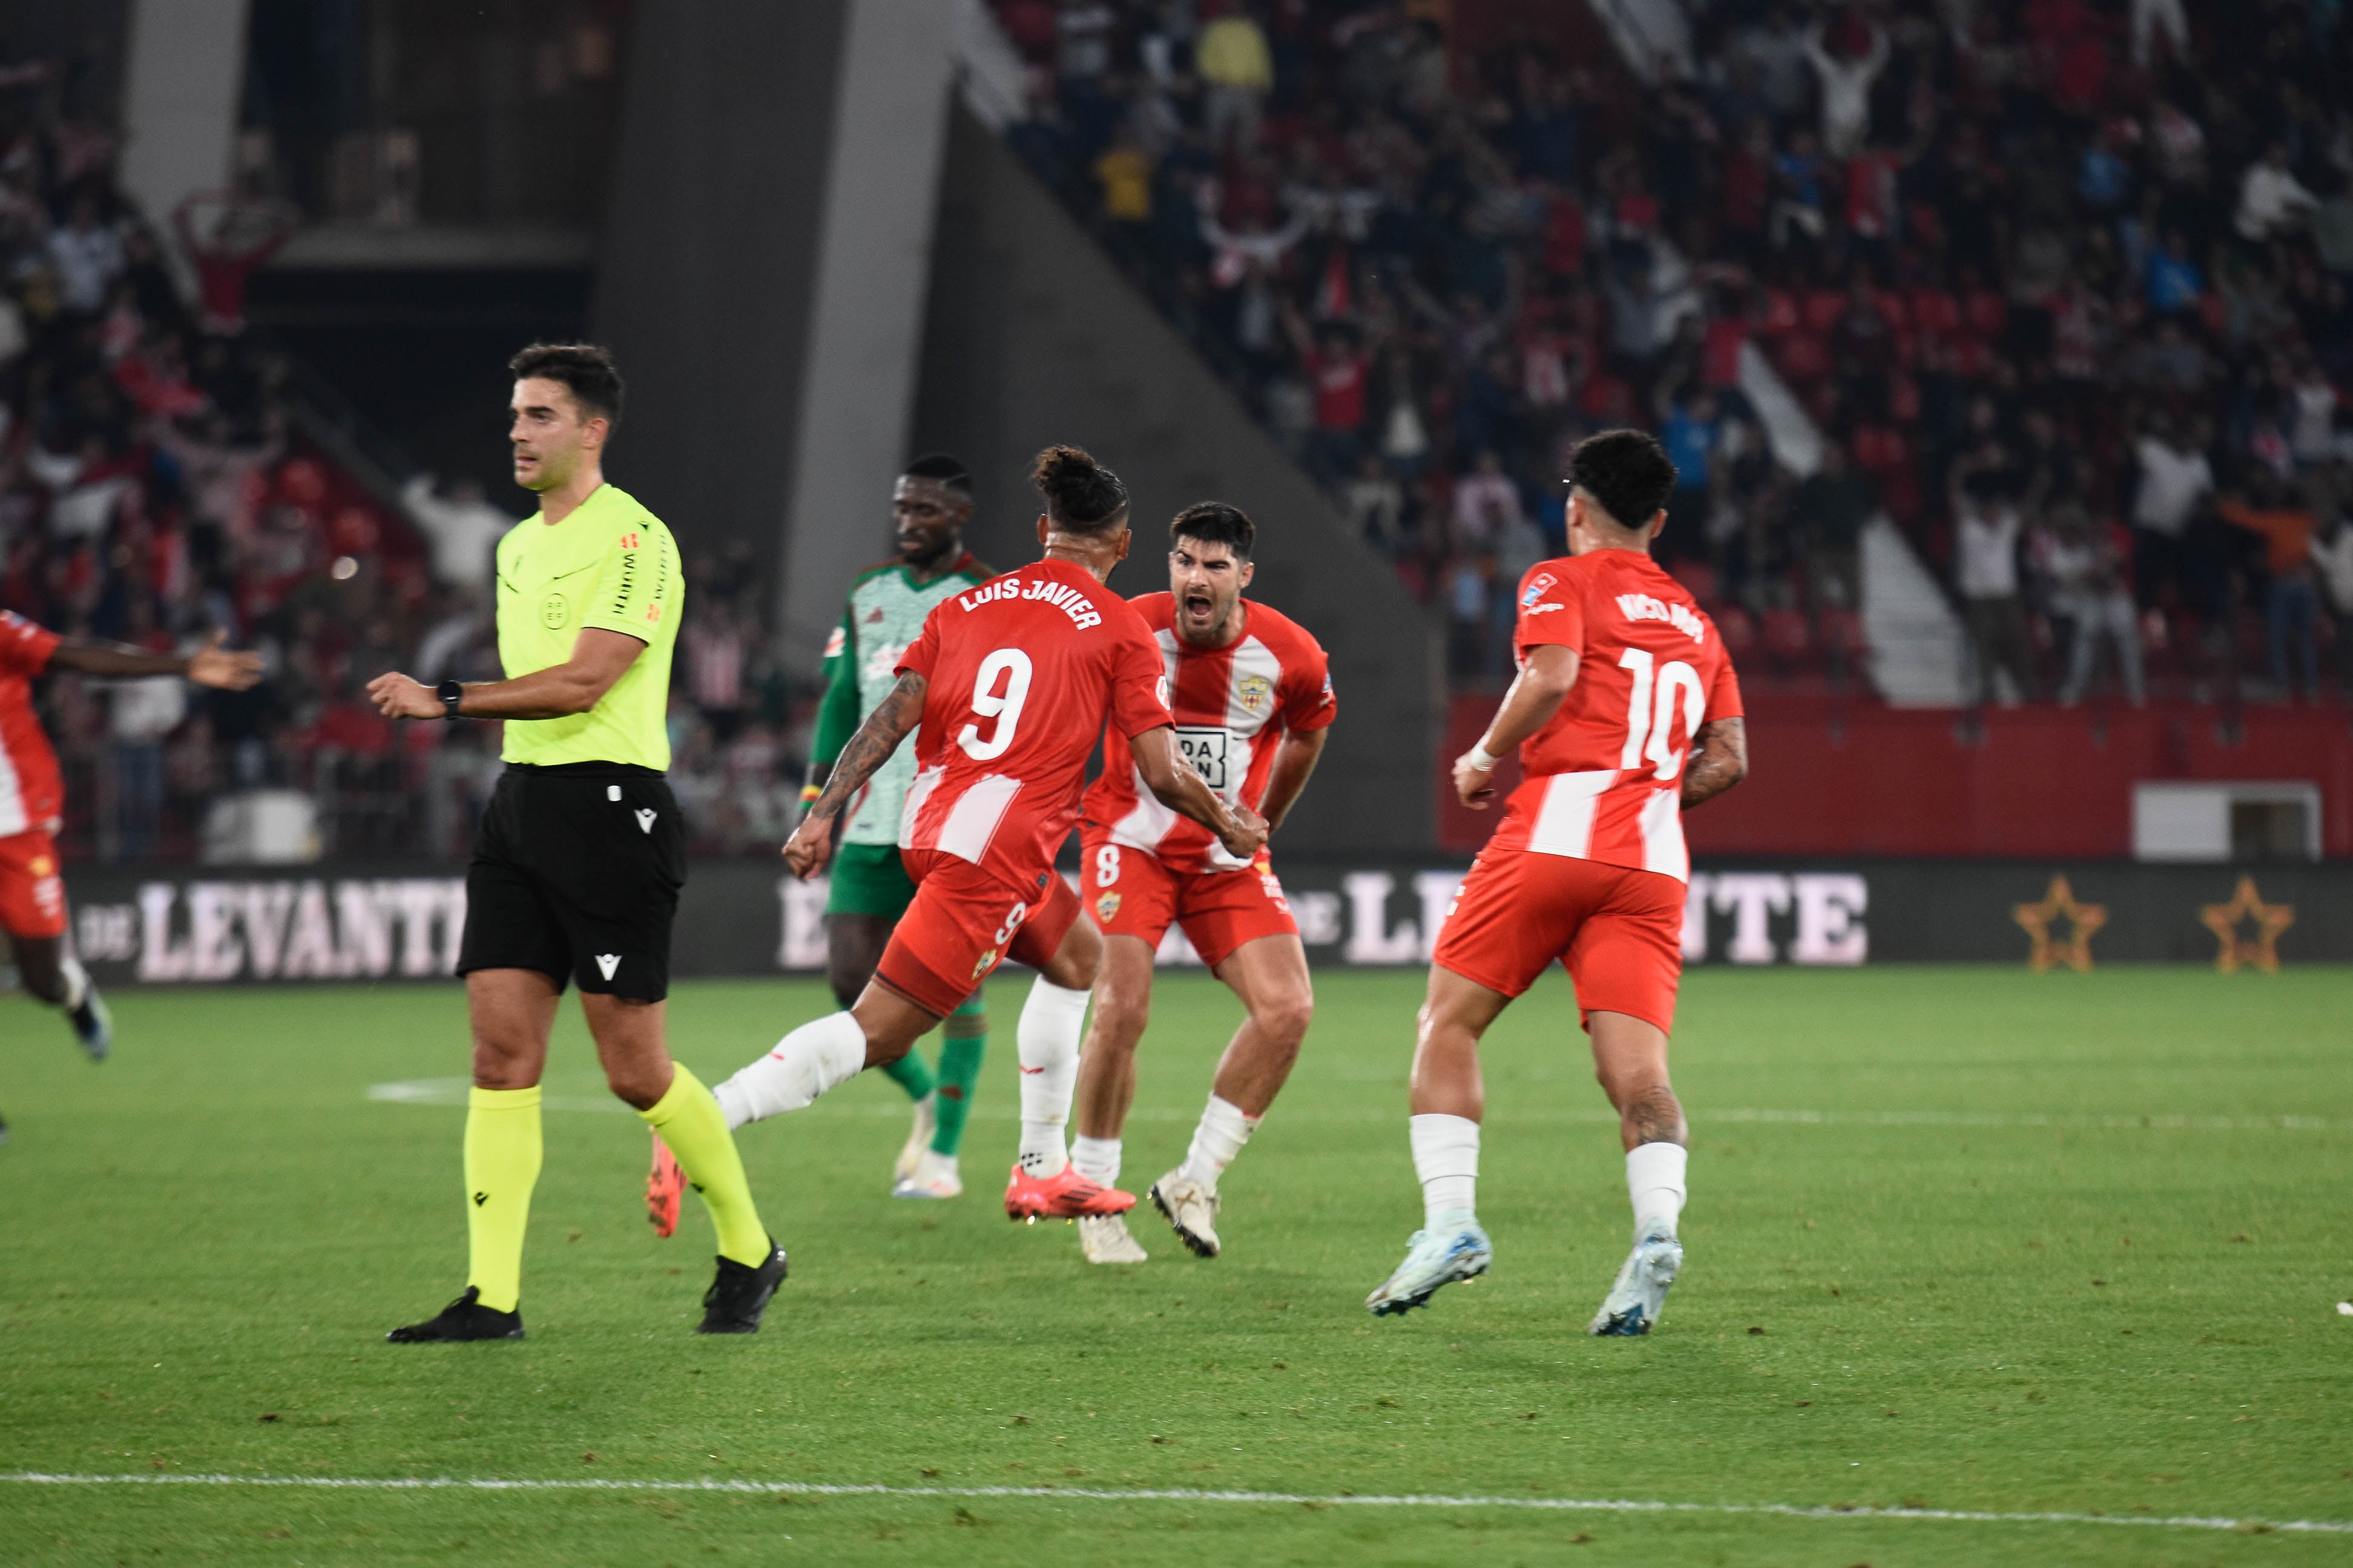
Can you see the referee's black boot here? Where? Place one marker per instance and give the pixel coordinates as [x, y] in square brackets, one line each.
[463, 1318]
[740, 1294]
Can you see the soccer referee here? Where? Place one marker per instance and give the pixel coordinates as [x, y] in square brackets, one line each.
[577, 867]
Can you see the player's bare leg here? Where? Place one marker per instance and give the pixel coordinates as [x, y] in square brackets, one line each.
[1106, 1087]
[1269, 974]
[853, 948]
[1629, 1057]
[53, 975]
[1044, 1184]
[1449, 1098]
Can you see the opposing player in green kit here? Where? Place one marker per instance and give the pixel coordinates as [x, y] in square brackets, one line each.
[930, 505]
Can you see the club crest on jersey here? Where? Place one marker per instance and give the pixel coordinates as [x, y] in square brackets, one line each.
[1536, 588]
[1253, 691]
[980, 965]
[554, 611]
[1107, 906]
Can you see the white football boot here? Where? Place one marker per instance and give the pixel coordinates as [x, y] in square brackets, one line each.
[933, 1176]
[1640, 1295]
[1451, 1248]
[919, 1139]
[1104, 1238]
[1191, 1210]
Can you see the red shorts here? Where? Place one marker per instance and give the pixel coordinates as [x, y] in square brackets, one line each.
[1618, 932]
[32, 894]
[963, 924]
[1131, 893]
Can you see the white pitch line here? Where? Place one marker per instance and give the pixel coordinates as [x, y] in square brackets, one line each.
[1176, 1494]
[451, 1091]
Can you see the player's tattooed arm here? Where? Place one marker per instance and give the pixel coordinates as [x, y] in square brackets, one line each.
[1176, 786]
[1294, 759]
[1719, 760]
[811, 845]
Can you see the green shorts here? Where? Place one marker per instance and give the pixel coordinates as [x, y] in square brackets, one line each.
[869, 880]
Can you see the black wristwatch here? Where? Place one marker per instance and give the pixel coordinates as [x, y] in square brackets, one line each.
[451, 692]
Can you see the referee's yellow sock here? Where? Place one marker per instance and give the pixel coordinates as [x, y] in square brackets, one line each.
[691, 1122]
[502, 1153]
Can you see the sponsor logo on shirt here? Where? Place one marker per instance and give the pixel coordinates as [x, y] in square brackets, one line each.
[554, 611]
[1536, 588]
[1682, 617]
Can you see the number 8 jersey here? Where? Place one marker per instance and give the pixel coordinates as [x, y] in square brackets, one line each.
[1023, 671]
[1232, 705]
[1605, 773]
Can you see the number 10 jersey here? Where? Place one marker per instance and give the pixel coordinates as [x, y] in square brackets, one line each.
[1232, 706]
[1022, 671]
[1605, 773]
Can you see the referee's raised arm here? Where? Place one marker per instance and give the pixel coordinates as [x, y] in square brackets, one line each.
[581, 854]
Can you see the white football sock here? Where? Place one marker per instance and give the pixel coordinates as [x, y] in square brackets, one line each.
[1048, 1040]
[806, 1063]
[77, 980]
[1446, 1156]
[1655, 1179]
[1097, 1159]
[1223, 1129]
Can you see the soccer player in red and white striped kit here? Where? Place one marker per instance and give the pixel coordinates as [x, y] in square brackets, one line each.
[1625, 713]
[1252, 694]
[1011, 683]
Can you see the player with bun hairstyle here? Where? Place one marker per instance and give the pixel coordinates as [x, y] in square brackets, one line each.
[1005, 691]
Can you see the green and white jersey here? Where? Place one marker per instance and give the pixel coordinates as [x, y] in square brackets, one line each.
[886, 612]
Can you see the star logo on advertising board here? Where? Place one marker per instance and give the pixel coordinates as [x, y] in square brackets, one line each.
[2059, 904]
[2225, 920]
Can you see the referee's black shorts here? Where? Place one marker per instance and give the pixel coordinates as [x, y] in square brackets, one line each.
[575, 874]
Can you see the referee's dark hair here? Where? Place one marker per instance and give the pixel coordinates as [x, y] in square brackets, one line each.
[1082, 495]
[1215, 522]
[586, 371]
[948, 473]
[1627, 472]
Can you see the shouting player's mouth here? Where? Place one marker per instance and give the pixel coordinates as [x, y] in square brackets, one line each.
[1200, 607]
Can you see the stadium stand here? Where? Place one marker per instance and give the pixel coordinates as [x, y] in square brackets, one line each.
[2045, 279]
[166, 472]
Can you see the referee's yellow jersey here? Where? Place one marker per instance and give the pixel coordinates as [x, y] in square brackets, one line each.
[613, 566]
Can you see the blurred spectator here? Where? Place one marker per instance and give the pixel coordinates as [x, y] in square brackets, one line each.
[2173, 479]
[1376, 505]
[1986, 541]
[1486, 507]
[463, 527]
[2292, 594]
[1846, 77]
[2332, 553]
[1827, 514]
[2270, 199]
[1237, 65]
[2085, 565]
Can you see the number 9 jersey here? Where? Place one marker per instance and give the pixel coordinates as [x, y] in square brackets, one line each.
[1023, 671]
[1604, 777]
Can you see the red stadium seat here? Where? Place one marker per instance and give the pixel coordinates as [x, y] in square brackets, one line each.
[1891, 305]
[1936, 312]
[1780, 313]
[1988, 313]
[1823, 308]
[1804, 356]
[1698, 579]
[1738, 628]
[1904, 400]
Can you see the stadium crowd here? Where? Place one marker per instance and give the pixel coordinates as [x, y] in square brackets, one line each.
[2064, 292]
[155, 488]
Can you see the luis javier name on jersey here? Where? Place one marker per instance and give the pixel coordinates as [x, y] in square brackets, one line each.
[1069, 600]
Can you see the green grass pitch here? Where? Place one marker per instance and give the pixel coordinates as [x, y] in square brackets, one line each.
[1959, 1239]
